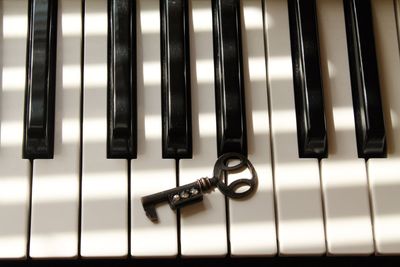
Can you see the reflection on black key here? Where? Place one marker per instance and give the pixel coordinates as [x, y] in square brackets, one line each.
[121, 136]
[40, 86]
[371, 140]
[176, 108]
[229, 88]
[311, 130]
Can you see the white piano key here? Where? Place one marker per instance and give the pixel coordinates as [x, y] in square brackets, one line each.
[55, 182]
[383, 174]
[254, 216]
[104, 217]
[297, 183]
[15, 171]
[343, 174]
[150, 173]
[203, 225]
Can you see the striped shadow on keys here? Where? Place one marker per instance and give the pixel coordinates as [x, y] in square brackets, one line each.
[15, 171]
[104, 208]
[55, 182]
[205, 229]
[150, 173]
[252, 220]
[343, 173]
[383, 174]
[300, 225]
[203, 225]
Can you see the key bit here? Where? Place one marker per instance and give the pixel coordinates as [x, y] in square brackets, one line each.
[177, 197]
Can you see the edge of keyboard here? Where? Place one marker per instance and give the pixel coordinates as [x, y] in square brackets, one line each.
[227, 261]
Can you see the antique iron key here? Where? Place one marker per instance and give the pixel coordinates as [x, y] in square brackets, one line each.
[192, 193]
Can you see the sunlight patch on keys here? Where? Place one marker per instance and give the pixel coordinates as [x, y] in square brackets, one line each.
[251, 13]
[203, 67]
[257, 69]
[95, 23]
[71, 24]
[11, 133]
[203, 19]
[307, 224]
[147, 233]
[95, 240]
[50, 243]
[98, 184]
[45, 186]
[280, 68]
[95, 126]
[149, 21]
[70, 74]
[13, 249]
[14, 26]
[343, 118]
[69, 126]
[11, 79]
[281, 125]
[95, 76]
[14, 175]
[151, 73]
[11, 190]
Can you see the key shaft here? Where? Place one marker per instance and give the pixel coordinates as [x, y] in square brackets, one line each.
[177, 197]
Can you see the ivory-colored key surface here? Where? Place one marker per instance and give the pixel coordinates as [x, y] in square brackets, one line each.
[104, 218]
[15, 171]
[297, 183]
[383, 174]
[150, 173]
[343, 174]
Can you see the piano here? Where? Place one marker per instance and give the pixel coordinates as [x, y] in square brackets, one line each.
[105, 101]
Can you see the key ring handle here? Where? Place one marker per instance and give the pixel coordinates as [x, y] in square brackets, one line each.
[222, 167]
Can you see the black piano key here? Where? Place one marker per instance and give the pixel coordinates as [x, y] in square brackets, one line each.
[121, 135]
[229, 86]
[176, 106]
[38, 140]
[312, 138]
[370, 130]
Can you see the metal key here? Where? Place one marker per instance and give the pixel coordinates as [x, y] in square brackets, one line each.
[185, 195]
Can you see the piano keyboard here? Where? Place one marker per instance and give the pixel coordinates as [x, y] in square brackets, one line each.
[105, 101]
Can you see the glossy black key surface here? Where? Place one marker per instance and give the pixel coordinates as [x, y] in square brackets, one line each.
[370, 130]
[121, 136]
[229, 86]
[40, 85]
[311, 129]
[176, 108]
